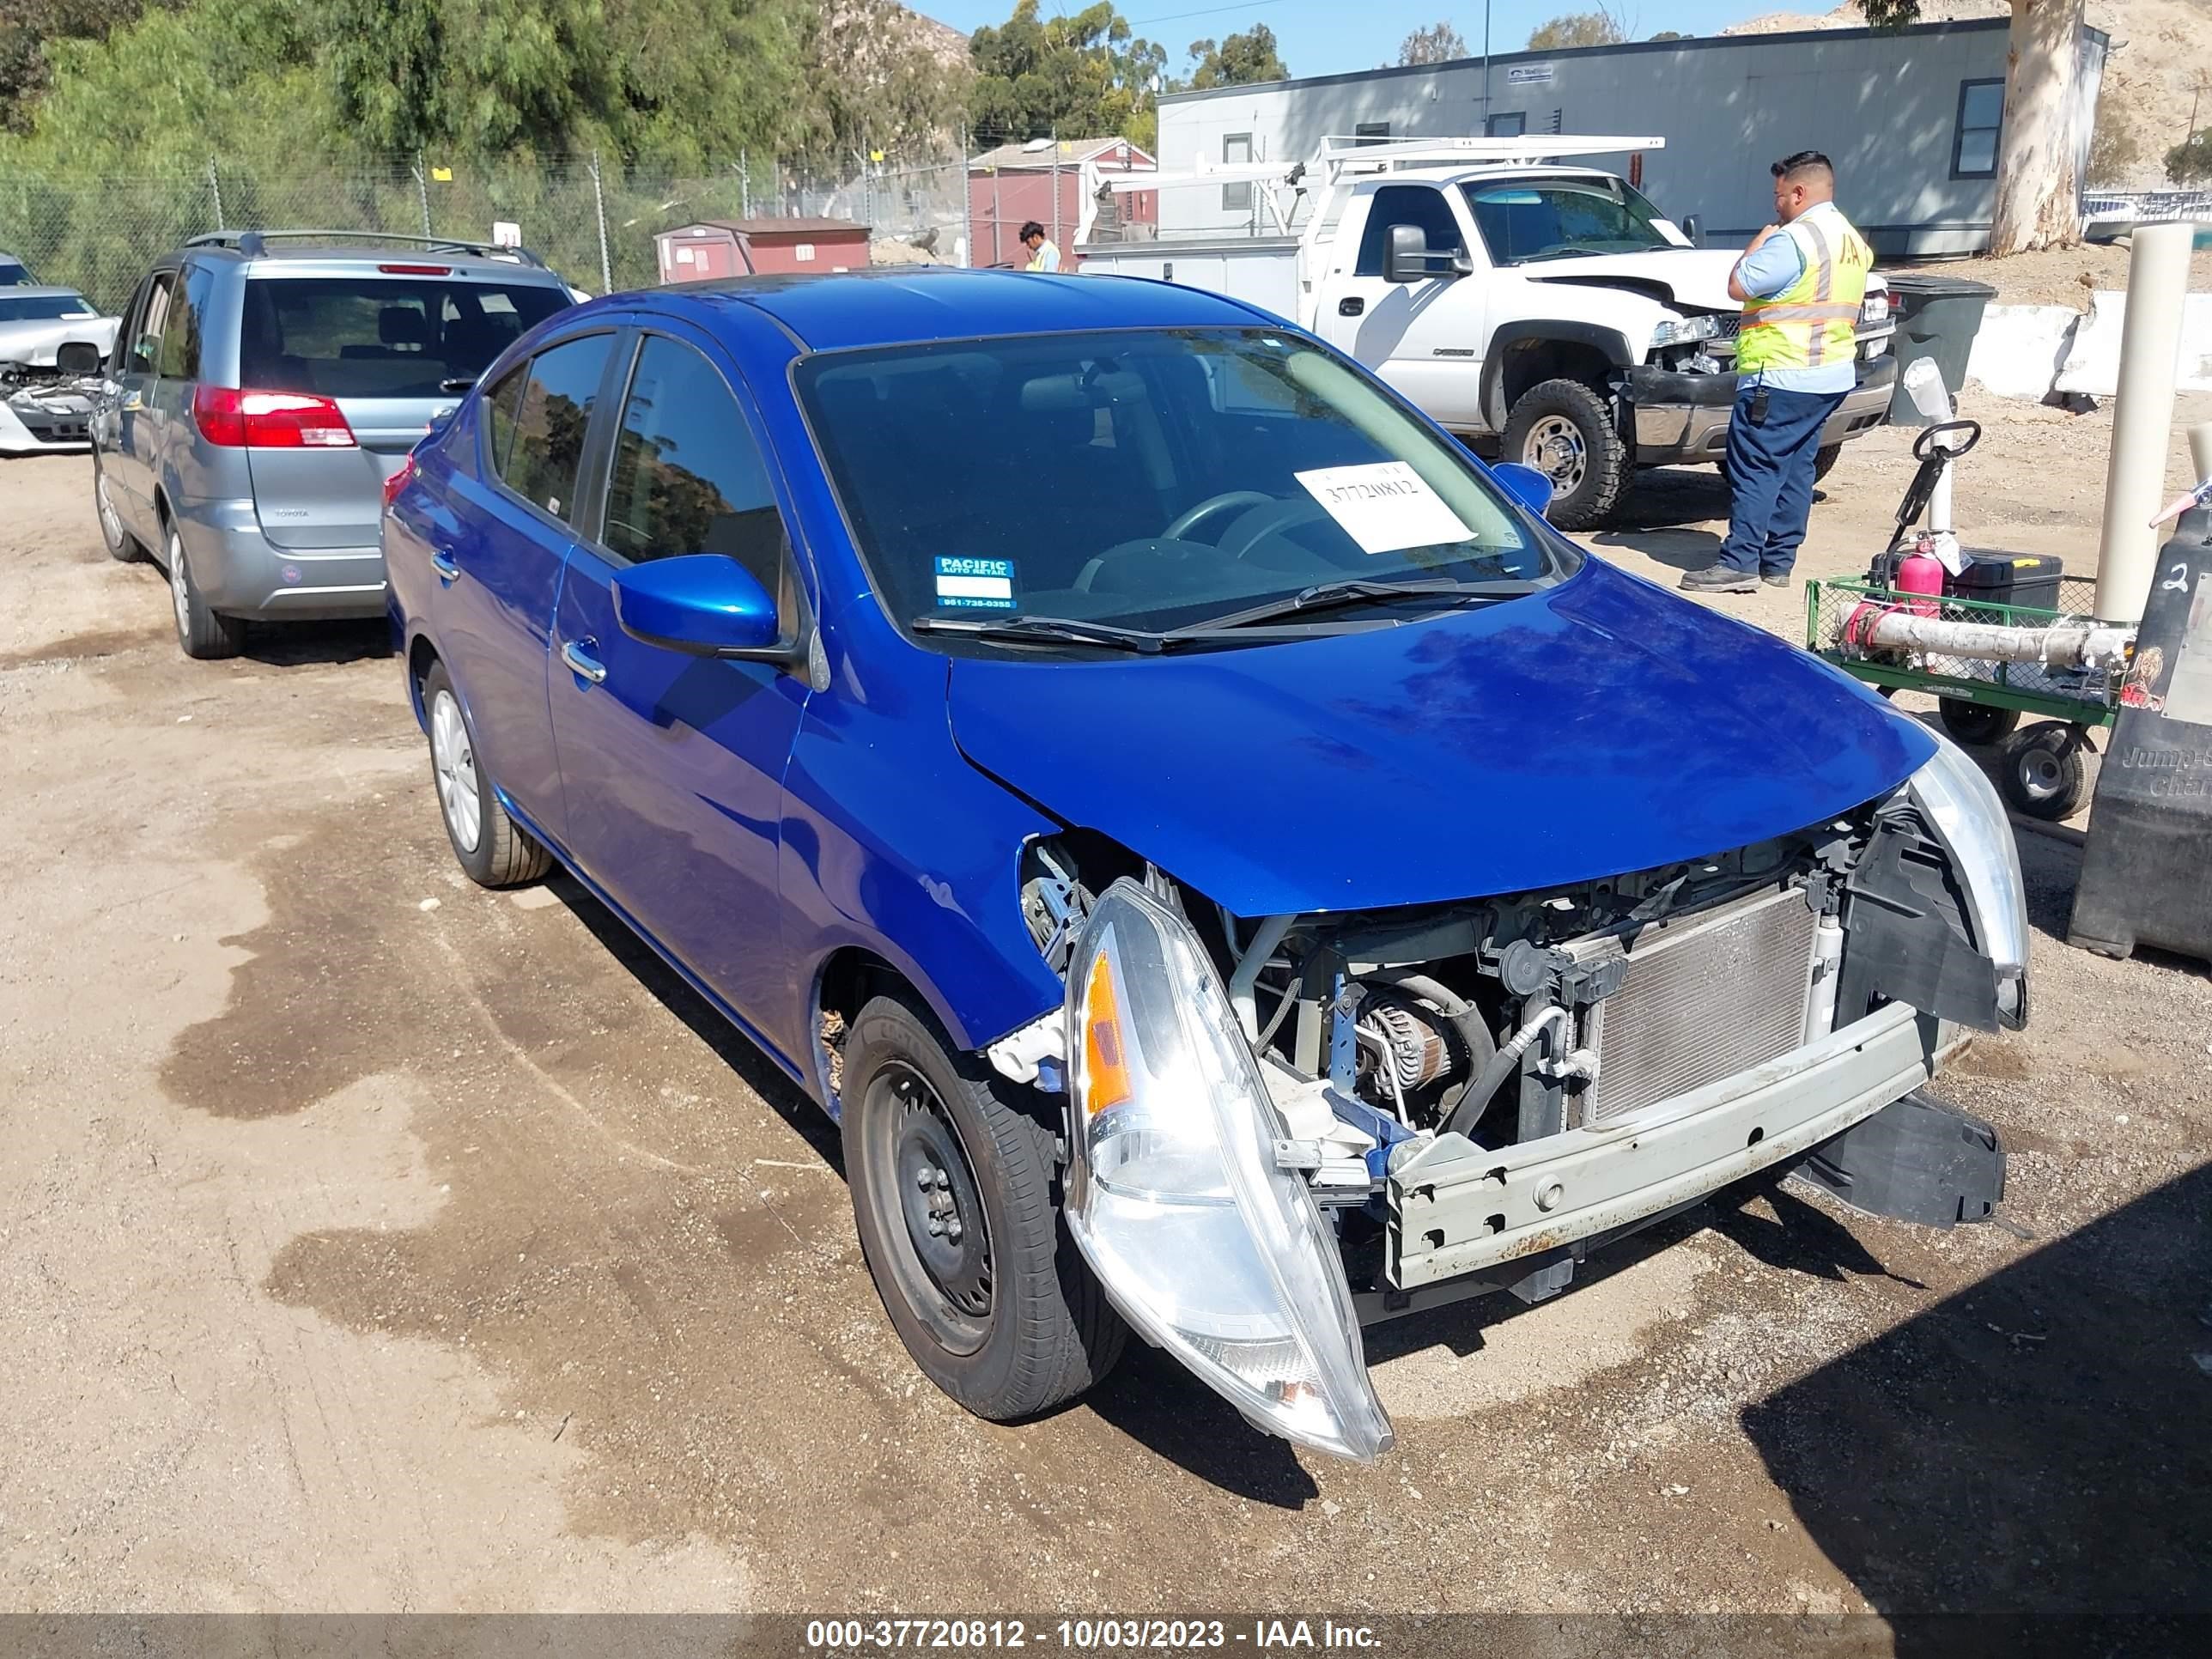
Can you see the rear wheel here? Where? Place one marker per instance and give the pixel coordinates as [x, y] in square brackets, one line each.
[1975, 724]
[953, 1198]
[1824, 463]
[2043, 776]
[1566, 432]
[120, 542]
[493, 849]
[204, 635]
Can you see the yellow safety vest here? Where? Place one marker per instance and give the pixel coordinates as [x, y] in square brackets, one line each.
[1815, 319]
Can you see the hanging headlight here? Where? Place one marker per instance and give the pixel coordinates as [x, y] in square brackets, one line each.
[1969, 815]
[1174, 1196]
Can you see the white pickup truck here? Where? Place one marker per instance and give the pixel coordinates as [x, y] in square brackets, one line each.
[1549, 311]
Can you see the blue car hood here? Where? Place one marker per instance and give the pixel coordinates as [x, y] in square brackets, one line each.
[1598, 727]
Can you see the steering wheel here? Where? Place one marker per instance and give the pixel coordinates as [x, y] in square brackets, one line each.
[1244, 537]
[1186, 522]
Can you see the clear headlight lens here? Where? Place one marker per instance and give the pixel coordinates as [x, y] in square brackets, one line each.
[1174, 1195]
[1682, 329]
[1969, 816]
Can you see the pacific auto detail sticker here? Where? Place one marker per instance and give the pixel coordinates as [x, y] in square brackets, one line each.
[1384, 505]
[976, 584]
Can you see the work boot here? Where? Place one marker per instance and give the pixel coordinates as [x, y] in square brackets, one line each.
[1720, 579]
[1775, 578]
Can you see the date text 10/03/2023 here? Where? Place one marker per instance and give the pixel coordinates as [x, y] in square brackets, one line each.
[1088, 1635]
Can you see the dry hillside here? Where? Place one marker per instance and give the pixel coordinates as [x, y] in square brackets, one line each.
[2160, 49]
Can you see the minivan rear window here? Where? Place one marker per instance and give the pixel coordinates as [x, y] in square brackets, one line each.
[356, 336]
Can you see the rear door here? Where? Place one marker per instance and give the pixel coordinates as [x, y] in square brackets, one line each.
[387, 349]
[1424, 337]
[492, 613]
[672, 765]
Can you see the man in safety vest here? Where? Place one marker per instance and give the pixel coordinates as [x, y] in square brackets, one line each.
[1801, 281]
[1043, 256]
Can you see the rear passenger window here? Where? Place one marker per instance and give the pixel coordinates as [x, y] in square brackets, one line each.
[540, 461]
[687, 476]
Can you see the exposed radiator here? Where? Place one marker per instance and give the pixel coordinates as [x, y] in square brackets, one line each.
[1705, 999]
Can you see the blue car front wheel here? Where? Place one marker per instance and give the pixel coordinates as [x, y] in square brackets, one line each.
[953, 1197]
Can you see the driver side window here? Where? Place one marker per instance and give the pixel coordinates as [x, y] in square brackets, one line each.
[1406, 204]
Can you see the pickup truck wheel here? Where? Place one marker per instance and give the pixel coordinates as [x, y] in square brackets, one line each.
[203, 635]
[1824, 463]
[493, 849]
[1566, 432]
[953, 1198]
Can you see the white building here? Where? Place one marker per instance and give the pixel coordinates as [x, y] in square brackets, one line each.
[1912, 120]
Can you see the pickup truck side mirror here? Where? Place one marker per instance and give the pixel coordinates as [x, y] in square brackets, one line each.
[1690, 228]
[1410, 261]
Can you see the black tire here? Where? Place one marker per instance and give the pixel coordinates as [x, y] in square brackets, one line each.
[2043, 776]
[1010, 1323]
[495, 851]
[203, 635]
[1975, 724]
[1566, 431]
[122, 546]
[1824, 463]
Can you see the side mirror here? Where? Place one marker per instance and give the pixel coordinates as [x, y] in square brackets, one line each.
[1410, 261]
[1525, 485]
[76, 357]
[1690, 228]
[701, 604]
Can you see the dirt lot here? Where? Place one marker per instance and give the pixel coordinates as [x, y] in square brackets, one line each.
[371, 1242]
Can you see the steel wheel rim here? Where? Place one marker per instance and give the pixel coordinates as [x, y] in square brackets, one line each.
[1555, 448]
[111, 521]
[453, 758]
[2041, 777]
[922, 1174]
[180, 592]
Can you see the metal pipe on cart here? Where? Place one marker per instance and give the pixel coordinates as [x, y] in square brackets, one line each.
[2142, 417]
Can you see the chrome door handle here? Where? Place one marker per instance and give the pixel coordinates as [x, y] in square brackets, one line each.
[581, 661]
[444, 564]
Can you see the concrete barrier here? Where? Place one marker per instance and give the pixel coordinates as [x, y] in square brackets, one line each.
[2092, 361]
[2019, 349]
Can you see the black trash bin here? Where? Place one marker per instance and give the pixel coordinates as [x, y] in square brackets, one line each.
[1937, 317]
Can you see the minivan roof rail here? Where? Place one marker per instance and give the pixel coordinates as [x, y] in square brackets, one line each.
[252, 243]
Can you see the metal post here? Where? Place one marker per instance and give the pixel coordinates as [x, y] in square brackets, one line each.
[599, 206]
[1486, 68]
[1055, 187]
[744, 184]
[422, 191]
[967, 204]
[997, 219]
[214, 189]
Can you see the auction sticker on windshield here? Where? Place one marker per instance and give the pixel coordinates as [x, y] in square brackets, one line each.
[976, 584]
[1383, 506]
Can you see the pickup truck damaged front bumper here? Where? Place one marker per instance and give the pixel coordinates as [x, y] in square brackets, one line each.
[1682, 418]
[1456, 1209]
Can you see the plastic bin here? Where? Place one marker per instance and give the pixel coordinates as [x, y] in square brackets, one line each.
[1937, 317]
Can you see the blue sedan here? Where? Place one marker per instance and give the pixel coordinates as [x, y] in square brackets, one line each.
[1231, 869]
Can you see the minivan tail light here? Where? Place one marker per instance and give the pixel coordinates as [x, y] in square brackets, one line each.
[240, 418]
[398, 481]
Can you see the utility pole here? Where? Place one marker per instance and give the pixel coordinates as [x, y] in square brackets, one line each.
[1486, 68]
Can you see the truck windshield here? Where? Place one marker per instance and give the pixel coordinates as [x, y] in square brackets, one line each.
[1150, 480]
[1527, 219]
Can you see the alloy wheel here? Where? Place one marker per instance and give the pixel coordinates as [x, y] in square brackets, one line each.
[453, 758]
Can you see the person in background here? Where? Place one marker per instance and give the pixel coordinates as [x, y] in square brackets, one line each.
[1800, 280]
[1043, 256]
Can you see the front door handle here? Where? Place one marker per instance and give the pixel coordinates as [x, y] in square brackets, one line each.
[448, 569]
[1351, 307]
[577, 653]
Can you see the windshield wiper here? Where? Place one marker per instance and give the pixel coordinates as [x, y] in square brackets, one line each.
[1575, 253]
[1329, 595]
[1068, 629]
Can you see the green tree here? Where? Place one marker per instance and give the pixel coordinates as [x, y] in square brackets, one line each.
[2039, 182]
[1241, 60]
[1439, 43]
[1670, 34]
[1080, 76]
[1601, 27]
[873, 82]
[2190, 161]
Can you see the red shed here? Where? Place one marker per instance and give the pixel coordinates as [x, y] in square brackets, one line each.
[1059, 184]
[756, 247]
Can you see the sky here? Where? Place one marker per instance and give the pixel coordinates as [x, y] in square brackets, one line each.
[1328, 37]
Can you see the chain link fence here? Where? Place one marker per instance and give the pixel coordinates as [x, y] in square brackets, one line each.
[593, 221]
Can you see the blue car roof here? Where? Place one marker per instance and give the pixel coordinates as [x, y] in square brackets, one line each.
[915, 304]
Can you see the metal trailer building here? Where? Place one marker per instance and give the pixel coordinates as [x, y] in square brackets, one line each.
[1912, 120]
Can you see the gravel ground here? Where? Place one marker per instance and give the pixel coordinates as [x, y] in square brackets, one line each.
[370, 1241]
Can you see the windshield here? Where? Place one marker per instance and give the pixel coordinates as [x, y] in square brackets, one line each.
[381, 336]
[1149, 480]
[1526, 219]
[43, 308]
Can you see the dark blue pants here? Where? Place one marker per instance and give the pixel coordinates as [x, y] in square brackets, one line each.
[1769, 465]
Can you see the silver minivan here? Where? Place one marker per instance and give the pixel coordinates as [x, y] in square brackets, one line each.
[262, 387]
